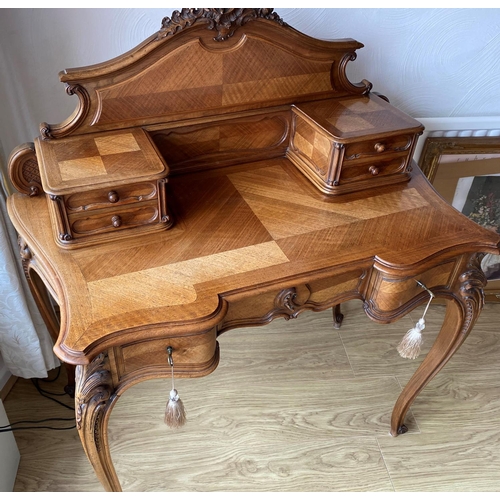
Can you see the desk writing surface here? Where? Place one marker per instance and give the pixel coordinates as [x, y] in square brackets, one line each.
[257, 224]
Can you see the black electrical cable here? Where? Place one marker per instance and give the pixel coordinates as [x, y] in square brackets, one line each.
[45, 394]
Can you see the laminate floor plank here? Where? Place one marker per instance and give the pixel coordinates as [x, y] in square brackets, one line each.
[452, 459]
[293, 406]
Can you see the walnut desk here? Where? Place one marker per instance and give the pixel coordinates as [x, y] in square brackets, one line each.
[222, 174]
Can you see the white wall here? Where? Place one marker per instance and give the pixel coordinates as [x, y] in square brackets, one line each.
[429, 62]
[4, 373]
[9, 455]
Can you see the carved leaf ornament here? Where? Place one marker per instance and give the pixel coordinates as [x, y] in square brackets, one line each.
[225, 21]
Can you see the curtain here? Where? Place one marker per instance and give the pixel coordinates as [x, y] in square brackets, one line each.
[25, 343]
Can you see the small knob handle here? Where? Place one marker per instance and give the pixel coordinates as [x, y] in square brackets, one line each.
[379, 147]
[113, 197]
[373, 170]
[116, 220]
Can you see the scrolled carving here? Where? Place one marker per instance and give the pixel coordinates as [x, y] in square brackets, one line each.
[48, 131]
[363, 87]
[93, 392]
[24, 172]
[472, 282]
[226, 21]
[285, 303]
[26, 255]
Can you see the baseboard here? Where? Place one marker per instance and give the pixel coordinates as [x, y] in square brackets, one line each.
[4, 391]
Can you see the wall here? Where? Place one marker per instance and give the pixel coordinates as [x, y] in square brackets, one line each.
[9, 455]
[4, 373]
[429, 62]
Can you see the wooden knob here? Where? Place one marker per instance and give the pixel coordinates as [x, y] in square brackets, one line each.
[116, 220]
[379, 147]
[113, 197]
[373, 170]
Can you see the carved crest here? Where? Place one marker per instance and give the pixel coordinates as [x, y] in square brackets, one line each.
[225, 21]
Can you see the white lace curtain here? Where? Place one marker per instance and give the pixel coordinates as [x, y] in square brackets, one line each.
[25, 343]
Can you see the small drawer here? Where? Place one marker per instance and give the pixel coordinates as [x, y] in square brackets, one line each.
[376, 147]
[111, 197]
[193, 355]
[114, 220]
[375, 168]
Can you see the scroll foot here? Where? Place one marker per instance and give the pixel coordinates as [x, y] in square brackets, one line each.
[402, 429]
[338, 317]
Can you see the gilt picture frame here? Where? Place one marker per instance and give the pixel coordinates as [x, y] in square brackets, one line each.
[465, 171]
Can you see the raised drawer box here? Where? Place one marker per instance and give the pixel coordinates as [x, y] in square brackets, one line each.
[104, 186]
[333, 145]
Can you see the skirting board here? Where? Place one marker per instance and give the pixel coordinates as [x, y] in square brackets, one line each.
[6, 388]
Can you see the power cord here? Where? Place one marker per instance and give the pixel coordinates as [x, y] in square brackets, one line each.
[48, 395]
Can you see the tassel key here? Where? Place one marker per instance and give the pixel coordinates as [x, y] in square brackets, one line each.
[411, 344]
[175, 414]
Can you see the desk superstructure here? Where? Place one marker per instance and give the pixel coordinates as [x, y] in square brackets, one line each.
[224, 173]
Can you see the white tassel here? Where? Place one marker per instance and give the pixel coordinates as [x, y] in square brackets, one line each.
[175, 414]
[411, 344]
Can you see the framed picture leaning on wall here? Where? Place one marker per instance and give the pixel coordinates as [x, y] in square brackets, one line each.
[465, 171]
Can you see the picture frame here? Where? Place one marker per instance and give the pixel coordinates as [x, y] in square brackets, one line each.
[465, 171]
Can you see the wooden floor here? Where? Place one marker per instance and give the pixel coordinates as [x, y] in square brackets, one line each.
[294, 406]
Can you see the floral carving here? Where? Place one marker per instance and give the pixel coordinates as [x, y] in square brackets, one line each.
[93, 392]
[285, 302]
[225, 21]
[472, 282]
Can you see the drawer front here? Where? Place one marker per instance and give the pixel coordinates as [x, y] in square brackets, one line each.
[114, 220]
[387, 297]
[289, 301]
[378, 147]
[193, 355]
[111, 197]
[371, 169]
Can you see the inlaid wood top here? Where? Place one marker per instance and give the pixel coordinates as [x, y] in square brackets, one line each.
[353, 117]
[251, 227]
[109, 158]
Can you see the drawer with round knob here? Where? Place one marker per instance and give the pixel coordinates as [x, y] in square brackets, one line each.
[112, 220]
[373, 169]
[109, 197]
[378, 147]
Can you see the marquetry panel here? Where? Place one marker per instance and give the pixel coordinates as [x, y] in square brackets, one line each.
[175, 283]
[267, 192]
[111, 158]
[223, 143]
[258, 72]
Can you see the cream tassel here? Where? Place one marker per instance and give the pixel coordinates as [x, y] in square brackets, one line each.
[175, 414]
[411, 344]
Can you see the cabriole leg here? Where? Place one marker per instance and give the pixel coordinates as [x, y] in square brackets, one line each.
[94, 400]
[462, 311]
